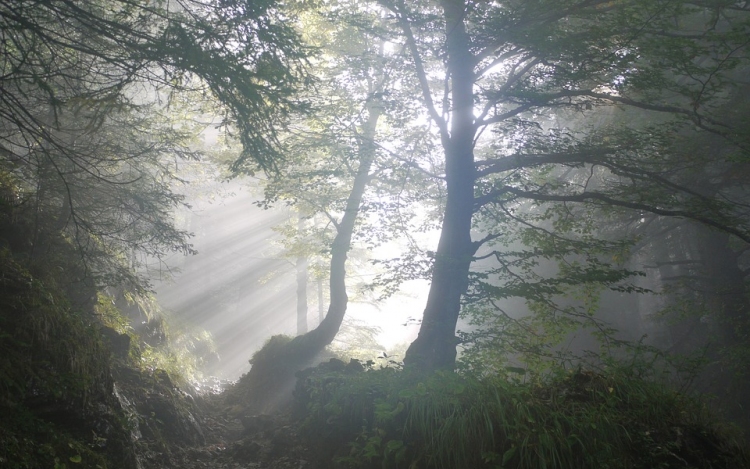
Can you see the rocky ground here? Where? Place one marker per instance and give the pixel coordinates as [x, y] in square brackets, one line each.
[197, 431]
[263, 441]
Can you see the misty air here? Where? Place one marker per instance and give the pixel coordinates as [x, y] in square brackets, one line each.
[346, 234]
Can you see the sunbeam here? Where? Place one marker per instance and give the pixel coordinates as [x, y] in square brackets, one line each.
[242, 291]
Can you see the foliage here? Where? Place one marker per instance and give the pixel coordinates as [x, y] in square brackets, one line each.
[61, 343]
[582, 419]
[524, 97]
[333, 159]
[357, 340]
[29, 442]
[161, 342]
[358, 146]
[95, 123]
[54, 373]
[47, 348]
[539, 283]
[113, 45]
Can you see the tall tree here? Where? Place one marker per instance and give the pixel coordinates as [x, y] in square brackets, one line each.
[507, 67]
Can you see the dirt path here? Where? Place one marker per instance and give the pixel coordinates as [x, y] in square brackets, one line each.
[237, 441]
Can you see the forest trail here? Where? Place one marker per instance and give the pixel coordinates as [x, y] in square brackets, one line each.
[228, 439]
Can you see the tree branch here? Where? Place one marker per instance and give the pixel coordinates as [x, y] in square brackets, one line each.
[598, 196]
[519, 161]
[400, 12]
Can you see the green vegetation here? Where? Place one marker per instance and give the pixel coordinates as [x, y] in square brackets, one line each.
[39, 327]
[29, 442]
[494, 120]
[391, 419]
[54, 373]
[65, 345]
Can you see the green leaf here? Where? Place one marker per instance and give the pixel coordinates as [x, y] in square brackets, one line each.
[76, 459]
[515, 369]
[393, 445]
[508, 455]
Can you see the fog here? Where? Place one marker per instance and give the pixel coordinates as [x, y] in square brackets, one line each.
[242, 290]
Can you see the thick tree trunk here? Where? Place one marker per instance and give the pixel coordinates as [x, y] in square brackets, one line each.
[435, 347]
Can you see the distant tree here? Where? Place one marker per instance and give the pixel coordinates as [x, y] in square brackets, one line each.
[300, 266]
[702, 307]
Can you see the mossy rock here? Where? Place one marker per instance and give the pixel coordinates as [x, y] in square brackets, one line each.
[268, 385]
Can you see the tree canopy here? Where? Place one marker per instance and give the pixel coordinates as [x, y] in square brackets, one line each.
[519, 93]
[88, 115]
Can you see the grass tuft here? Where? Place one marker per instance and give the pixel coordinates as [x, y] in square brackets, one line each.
[389, 419]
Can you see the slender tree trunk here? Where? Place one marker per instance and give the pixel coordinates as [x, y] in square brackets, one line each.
[301, 268]
[435, 346]
[321, 308]
[271, 377]
[315, 340]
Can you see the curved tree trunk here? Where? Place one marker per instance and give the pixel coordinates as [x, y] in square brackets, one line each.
[315, 341]
[272, 375]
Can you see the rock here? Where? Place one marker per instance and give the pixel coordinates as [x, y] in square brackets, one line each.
[256, 423]
[246, 450]
[119, 344]
[354, 366]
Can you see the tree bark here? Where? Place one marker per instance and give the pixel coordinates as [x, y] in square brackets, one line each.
[321, 309]
[435, 346]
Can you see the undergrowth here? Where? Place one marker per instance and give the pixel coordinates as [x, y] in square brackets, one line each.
[162, 342]
[58, 362]
[389, 419]
[54, 376]
[31, 442]
[47, 349]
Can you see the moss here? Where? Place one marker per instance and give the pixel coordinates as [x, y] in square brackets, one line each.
[269, 383]
[275, 348]
[49, 349]
[271, 365]
[61, 340]
[31, 442]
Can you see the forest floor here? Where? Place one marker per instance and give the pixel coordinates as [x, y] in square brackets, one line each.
[231, 440]
[215, 430]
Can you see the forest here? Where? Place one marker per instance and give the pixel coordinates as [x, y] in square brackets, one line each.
[549, 194]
